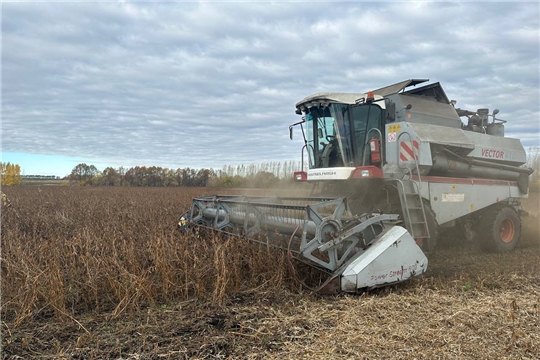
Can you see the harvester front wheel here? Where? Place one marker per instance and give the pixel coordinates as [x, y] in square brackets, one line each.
[500, 229]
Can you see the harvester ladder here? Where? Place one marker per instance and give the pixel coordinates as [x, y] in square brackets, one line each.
[412, 206]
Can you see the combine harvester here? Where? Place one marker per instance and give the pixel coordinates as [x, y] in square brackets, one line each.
[390, 169]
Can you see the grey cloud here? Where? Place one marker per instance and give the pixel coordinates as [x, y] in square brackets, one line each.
[207, 84]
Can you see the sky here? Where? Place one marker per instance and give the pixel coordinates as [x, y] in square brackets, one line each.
[207, 84]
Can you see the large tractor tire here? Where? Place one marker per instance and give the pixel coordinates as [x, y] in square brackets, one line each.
[499, 229]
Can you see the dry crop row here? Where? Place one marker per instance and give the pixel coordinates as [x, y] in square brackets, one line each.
[71, 250]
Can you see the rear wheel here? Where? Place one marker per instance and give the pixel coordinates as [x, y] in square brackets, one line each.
[499, 229]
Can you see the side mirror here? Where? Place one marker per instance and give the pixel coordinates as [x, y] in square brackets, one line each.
[290, 132]
[319, 133]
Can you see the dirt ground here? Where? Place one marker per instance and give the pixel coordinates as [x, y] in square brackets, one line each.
[469, 305]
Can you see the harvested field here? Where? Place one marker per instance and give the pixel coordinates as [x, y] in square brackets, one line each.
[98, 273]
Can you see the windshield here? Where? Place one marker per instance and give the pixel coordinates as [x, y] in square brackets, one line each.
[336, 134]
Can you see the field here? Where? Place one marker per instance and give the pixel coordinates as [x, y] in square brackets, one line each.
[35, 182]
[101, 273]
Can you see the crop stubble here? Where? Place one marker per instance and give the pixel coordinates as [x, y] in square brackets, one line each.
[103, 273]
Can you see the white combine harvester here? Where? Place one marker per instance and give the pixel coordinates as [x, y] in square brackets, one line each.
[390, 169]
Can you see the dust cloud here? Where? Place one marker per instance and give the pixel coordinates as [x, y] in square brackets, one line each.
[531, 223]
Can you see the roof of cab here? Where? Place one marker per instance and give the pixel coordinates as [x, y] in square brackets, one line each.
[351, 98]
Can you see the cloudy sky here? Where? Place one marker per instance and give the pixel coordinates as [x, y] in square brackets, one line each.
[204, 84]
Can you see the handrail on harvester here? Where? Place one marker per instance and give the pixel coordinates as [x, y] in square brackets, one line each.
[415, 157]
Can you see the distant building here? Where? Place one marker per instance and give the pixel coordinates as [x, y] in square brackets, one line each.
[41, 177]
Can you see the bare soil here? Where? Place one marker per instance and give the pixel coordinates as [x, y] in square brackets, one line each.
[469, 305]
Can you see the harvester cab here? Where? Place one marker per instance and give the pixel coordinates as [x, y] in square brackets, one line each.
[390, 168]
[338, 129]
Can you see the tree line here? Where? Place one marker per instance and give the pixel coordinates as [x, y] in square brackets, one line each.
[253, 175]
[267, 174]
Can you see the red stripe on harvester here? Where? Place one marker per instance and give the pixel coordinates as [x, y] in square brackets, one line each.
[406, 147]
